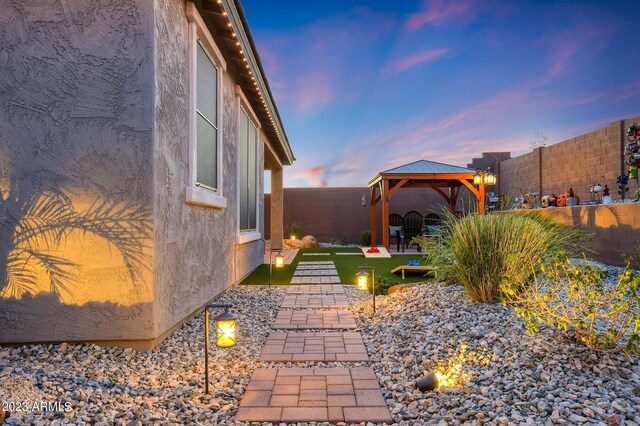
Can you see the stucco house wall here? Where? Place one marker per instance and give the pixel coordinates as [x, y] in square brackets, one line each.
[195, 247]
[76, 145]
[94, 137]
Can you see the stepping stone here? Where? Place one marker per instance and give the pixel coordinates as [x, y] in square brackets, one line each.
[315, 272]
[323, 346]
[315, 267]
[323, 262]
[316, 289]
[333, 395]
[330, 279]
[316, 254]
[317, 301]
[349, 254]
[312, 319]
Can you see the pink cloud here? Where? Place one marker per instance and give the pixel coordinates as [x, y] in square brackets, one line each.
[437, 12]
[416, 59]
[314, 176]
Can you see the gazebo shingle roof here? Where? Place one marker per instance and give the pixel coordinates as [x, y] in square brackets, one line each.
[424, 166]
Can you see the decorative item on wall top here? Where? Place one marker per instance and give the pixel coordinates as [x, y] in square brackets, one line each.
[622, 182]
[549, 201]
[568, 199]
[595, 193]
[632, 148]
[606, 198]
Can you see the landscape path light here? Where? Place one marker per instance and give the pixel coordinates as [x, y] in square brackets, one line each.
[279, 263]
[225, 334]
[362, 279]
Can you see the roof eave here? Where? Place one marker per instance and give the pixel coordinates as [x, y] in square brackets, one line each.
[240, 26]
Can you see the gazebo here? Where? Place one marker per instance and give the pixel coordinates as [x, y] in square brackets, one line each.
[424, 174]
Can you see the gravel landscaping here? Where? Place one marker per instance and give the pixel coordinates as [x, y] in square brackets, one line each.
[502, 375]
[506, 376]
[122, 386]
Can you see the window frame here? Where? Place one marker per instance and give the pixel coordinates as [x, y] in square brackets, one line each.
[243, 106]
[198, 193]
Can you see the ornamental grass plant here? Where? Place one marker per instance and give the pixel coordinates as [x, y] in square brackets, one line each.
[493, 253]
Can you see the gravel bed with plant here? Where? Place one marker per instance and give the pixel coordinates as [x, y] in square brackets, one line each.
[103, 385]
[492, 370]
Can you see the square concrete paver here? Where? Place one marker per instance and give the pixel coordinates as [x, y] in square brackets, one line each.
[331, 279]
[314, 394]
[315, 272]
[312, 319]
[316, 289]
[302, 267]
[317, 301]
[322, 346]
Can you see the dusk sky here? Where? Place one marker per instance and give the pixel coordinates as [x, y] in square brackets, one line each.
[363, 86]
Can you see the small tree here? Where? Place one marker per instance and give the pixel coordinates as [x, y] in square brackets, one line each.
[578, 299]
[539, 141]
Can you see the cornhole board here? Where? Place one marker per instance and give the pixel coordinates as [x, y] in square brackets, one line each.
[384, 254]
[415, 270]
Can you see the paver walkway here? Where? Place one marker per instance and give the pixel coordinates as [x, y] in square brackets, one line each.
[309, 319]
[318, 301]
[313, 394]
[316, 289]
[322, 394]
[327, 346]
[321, 272]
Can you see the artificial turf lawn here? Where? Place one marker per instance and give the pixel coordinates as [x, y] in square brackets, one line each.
[347, 267]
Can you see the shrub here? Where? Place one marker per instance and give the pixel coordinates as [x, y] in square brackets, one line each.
[486, 254]
[365, 238]
[296, 229]
[382, 285]
[578, 299]
[339, 241]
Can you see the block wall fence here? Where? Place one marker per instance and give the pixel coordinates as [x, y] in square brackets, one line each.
[578, 163]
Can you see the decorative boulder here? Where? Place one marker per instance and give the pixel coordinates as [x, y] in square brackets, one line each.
[400, 287]
[295, 243]
[310, 242]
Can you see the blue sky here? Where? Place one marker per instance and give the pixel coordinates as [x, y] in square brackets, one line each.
[364, 86]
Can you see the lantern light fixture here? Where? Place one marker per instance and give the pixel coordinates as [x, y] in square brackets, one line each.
[362, 279]
[226, 326]
[279, 260]
[477, 178]
[279, 263]
[484, 177]
[490, 178]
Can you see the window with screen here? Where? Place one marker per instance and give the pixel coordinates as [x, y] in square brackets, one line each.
[206, 121]
[248, 164]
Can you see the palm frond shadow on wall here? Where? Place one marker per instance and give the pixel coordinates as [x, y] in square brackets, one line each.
[33, 227]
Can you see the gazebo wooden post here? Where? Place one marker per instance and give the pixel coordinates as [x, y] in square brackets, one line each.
[385, 213]
[481, 198]
[452, 199]
[374, 201]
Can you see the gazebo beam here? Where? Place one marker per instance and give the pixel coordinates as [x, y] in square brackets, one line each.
[396, 187]
[441, 192]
